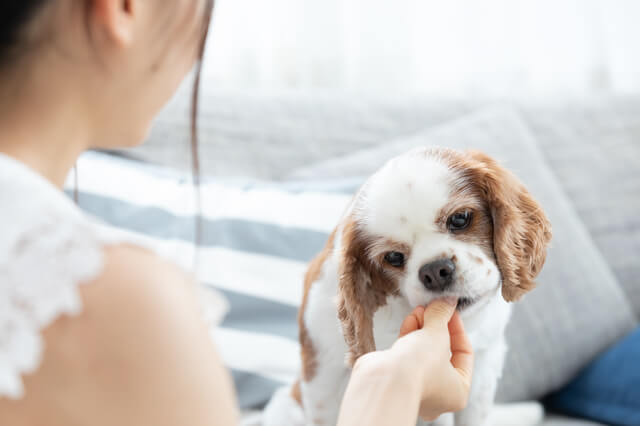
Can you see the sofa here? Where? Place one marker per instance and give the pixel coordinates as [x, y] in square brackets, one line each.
[580, 157]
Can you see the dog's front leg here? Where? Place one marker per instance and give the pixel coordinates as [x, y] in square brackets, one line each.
[445, 419]
[322, 395]
[487, 371]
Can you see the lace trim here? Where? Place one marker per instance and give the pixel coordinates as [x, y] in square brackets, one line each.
[38, 283]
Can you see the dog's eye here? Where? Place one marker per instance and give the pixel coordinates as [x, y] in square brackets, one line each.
[394, 258]
[459, 221]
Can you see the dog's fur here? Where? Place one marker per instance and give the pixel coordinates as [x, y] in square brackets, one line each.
[354, 300]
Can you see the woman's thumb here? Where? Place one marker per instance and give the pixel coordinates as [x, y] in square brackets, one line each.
[439, 312]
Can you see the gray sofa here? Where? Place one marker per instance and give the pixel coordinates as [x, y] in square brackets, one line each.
[580, 157]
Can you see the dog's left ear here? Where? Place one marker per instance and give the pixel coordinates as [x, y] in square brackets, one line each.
[360, 292]
[521, 230]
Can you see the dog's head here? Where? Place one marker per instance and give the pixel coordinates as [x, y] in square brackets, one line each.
[435, 223]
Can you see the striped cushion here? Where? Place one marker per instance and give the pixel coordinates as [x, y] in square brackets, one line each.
[257, 239]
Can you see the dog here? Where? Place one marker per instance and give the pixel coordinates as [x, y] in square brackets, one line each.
[431, 223]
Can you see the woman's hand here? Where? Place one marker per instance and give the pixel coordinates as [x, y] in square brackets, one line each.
[427, 372]
[434, 347]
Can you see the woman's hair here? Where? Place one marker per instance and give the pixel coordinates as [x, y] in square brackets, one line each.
[195, 158]
[16, 14]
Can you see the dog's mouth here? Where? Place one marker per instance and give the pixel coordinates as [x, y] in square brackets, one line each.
[470, 300]
[477, 300]
[464, 302]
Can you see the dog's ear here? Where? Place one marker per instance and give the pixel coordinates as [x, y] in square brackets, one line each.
[360, 292]
[521, 230]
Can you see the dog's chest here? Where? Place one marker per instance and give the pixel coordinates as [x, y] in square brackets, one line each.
[387, 321]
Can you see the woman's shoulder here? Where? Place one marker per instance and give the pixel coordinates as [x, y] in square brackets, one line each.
[78, 280]
[57, 263]
[141, 326]
[132, 268]
[49, 250]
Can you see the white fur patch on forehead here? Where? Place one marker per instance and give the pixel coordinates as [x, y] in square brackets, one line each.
[404, 197]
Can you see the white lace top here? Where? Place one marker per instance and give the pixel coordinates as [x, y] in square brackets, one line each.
[48, 247]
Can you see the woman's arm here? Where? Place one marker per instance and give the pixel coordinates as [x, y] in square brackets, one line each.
[381, 392]
[427, 372]
[138, 354]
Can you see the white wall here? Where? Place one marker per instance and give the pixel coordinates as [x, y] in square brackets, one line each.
[495, 47]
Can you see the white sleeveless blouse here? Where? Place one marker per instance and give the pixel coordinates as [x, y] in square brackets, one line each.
[48, 248]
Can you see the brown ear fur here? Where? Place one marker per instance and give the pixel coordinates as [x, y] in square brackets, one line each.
[362, 289]
[521, 230]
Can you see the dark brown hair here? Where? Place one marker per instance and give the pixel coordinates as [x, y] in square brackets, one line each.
[14, 15]
[195, 99]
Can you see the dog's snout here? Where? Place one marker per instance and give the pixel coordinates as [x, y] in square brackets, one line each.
[437, 275]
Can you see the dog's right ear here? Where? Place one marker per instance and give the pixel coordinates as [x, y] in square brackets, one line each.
[521, 230]
[357, 300]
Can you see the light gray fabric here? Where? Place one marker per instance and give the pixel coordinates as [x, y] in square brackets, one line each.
[579, 308]
[266, 135]
[594, 150]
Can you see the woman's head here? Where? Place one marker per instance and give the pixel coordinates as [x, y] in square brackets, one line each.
[118, 61]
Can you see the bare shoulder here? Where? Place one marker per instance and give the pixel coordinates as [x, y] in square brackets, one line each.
[138, 351]
[125, 265]
[135, 278]
[139, 292]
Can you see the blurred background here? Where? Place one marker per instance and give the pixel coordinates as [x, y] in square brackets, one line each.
[301, 100]
[458, 47]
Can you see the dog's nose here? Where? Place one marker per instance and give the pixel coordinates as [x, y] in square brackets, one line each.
[438, 275]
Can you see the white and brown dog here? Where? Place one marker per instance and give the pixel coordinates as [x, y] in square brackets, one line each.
[431, 223]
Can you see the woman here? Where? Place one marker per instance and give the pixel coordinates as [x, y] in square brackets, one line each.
[93, 329]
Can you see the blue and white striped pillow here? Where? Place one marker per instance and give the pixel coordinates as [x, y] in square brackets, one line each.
[257, 239]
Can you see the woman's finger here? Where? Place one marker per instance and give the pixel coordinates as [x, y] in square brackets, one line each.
[439, 312]
[412, 322]
[461, 350]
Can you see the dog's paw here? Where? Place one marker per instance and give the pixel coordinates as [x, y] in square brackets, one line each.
[283, 410]
[445, 419]
[516, 414]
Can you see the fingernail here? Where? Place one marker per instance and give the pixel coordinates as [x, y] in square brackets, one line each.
[453, 301]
